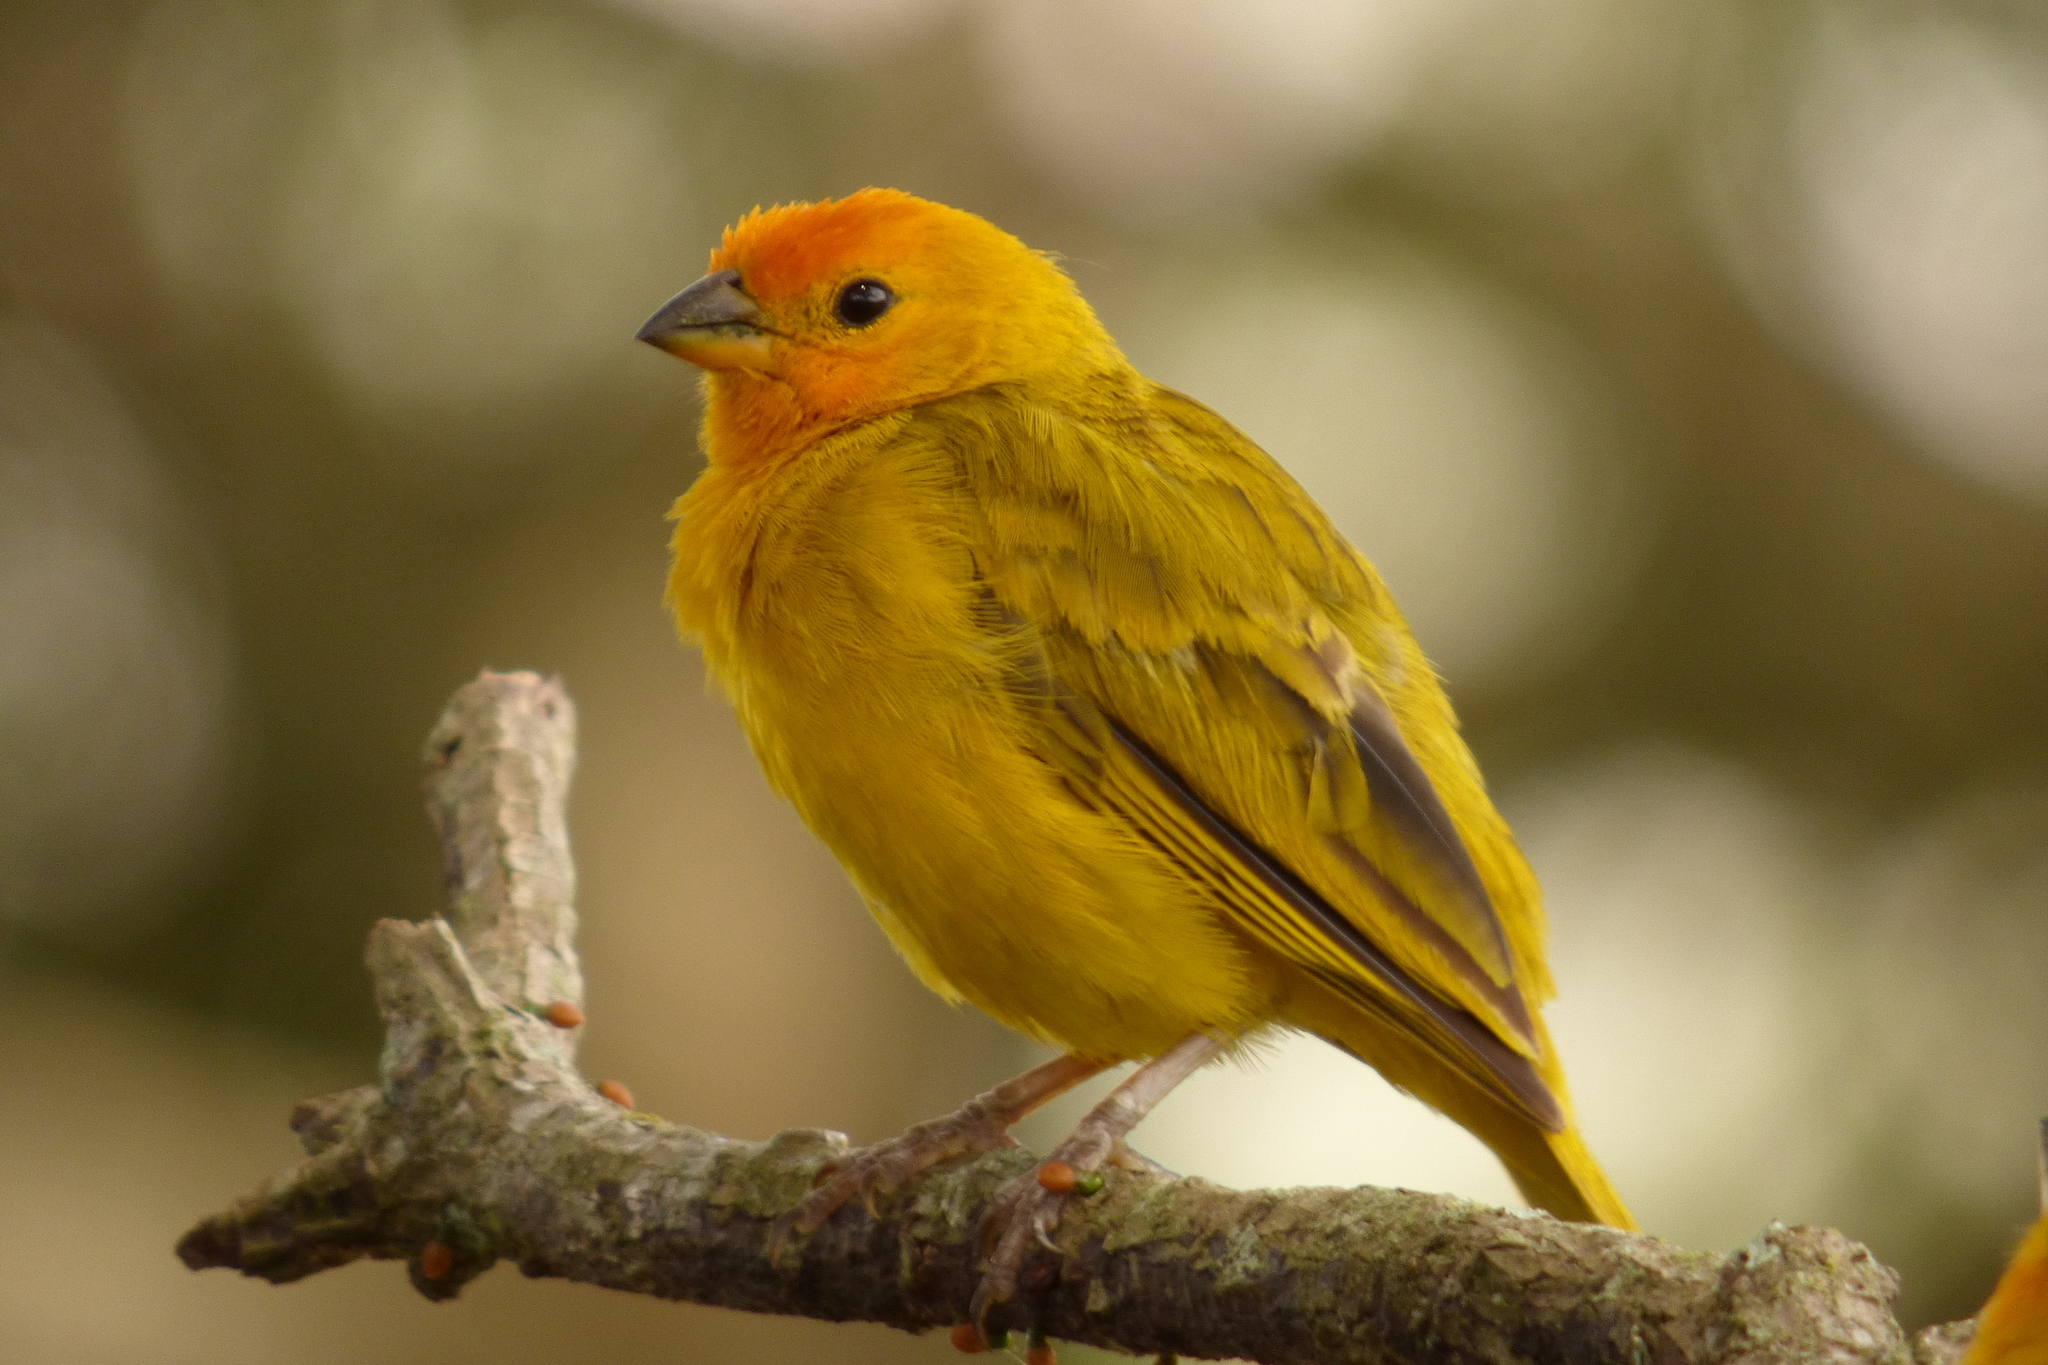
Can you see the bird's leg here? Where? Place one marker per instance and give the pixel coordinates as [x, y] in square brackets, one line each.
[1025, 1210]
[980, 1125]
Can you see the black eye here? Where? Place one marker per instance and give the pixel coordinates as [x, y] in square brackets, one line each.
[861, 302]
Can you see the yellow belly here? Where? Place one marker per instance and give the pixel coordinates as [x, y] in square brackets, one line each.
[999, 887]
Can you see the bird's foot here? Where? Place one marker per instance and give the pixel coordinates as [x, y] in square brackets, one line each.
[1127, 1158]
[1025, 1211]
[980, 1125]
[873, 1173]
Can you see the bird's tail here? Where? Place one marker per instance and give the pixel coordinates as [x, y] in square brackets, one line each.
[1554, 1170]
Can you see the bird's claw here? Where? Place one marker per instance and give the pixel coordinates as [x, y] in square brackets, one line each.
[1126, 1158]
[873, 1173]
[1023, 1212]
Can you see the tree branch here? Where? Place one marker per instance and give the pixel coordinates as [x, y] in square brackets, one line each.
[481, 1143]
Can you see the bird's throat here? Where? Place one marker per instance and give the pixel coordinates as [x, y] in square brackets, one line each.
[755, 420]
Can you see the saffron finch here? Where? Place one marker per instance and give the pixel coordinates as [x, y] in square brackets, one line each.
[1117, 737]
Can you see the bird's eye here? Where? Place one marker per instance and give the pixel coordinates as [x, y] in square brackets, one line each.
[861, 302]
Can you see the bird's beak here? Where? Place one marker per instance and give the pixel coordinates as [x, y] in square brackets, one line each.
[713, 324]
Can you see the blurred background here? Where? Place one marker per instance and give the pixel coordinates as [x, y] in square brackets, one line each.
[1684, 366]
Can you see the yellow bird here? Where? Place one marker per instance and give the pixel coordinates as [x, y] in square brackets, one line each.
[1117, 737]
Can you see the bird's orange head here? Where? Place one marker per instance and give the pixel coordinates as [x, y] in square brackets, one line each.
[818, 316]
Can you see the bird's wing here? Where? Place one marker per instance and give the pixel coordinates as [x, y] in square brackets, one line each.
[1213, 663]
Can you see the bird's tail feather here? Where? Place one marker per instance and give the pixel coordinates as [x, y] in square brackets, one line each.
[1554, 1170]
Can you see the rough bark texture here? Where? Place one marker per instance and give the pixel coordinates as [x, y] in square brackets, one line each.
[481, 1143]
